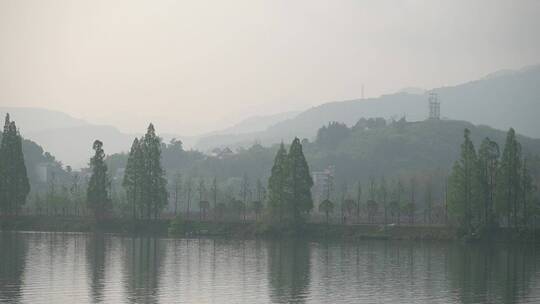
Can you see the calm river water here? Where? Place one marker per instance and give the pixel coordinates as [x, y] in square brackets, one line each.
[88, 268]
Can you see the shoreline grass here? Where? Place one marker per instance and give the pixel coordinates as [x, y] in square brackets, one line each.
[181, 228]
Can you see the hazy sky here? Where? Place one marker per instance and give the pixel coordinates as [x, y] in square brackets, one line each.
[194, 66]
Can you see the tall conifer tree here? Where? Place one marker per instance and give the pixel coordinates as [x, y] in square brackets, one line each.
[133, 177]
[527, 188]
[463, 184]
[97, 195]
[277, 185]
[509, 181]
[488, 162]
[154, 187]
[14, 184]
[300, 182]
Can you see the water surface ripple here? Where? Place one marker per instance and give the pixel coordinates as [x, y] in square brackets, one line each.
[102, 268]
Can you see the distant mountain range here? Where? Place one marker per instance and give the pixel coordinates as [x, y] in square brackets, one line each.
[255, 123]
[34, 120]
[509, 98]
[67, 138]
[70, 139]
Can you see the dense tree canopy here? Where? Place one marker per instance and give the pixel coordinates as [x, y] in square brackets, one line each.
[144, 176]
[290, 185]
[483, 188]
[331, 135]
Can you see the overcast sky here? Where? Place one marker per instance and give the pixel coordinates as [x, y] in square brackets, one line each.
[195, 66]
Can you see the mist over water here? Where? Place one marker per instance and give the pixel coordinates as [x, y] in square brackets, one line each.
[98, 268]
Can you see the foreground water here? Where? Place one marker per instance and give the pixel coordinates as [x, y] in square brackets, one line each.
[88, 268]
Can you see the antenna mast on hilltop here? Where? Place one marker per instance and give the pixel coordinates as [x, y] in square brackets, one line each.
[362, 91]
[434, 106]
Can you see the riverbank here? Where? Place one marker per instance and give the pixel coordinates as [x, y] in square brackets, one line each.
[320, 231]
[388, 232]
[225, 229]
[181, 228]
[82, 224]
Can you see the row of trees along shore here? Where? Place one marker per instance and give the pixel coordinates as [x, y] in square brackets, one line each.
[145, 184]
[486, 188]
[396, 199]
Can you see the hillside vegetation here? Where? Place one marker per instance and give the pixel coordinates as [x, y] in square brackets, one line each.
[399, 149]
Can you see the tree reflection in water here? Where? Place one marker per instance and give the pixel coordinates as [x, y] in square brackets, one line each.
[86, 268]
[486, 273]
[289, 263]
[143, 257]
[13, 249]
[95, 256]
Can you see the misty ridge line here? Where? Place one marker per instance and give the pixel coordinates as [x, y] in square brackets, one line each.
[249, 63]
[75, 121]
[511, 96]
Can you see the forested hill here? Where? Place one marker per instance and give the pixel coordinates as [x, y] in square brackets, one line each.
[370, 149]
[501, 100]
[400, 148]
